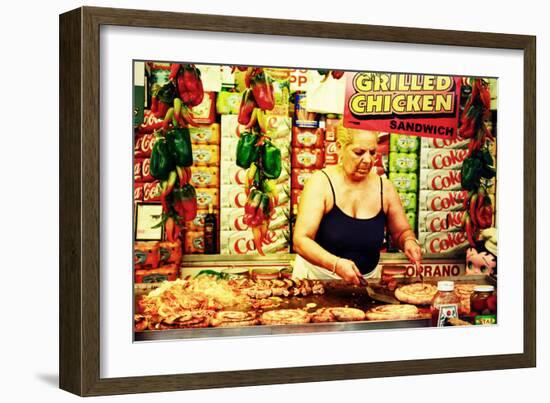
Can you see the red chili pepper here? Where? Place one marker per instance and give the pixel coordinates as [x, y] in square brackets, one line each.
[154, 104]
[473, 146]
[174, 70]
[469, 230]
[247, 107]
[263, 92]
[169, 229]
[188, 117]
[485, 97]
[484, 212]
[162, 108]
[467, 127]
[472, 207]
[257, 236]
[337, 74]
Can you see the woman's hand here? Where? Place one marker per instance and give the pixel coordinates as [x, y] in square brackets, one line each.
[412, 250]
[349, 272]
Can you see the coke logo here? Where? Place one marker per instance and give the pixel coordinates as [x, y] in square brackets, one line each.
[454, 158]
[137, 170]
[331, 147]
[239, 224]
[150, 191]
[240, 199]
[453, 240]
[451, 220]
[445, 143]
[240, 176]
[138, 193]
[441, 182]
[147, 143]
[440, 203]
[243, 245]
[146, 167]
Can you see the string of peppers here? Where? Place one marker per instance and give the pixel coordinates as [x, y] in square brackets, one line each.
[336, 74]
[172, 154]
[478, 167]
[257, 154]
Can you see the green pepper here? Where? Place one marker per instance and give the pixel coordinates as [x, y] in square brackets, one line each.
[247, 151]
[271, 160]
[179, 146]
[488, 170]
[161, 160]
[265, 206]
[471, 173]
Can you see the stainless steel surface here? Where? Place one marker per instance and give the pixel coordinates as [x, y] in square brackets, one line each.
[263, 330]
[222, 260]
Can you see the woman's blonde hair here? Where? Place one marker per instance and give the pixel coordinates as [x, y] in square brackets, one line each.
[344, 135]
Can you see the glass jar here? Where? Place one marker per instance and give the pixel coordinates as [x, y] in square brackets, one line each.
[483, 305]
[445, 304]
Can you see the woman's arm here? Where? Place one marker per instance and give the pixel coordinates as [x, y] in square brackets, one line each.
[310, 212]
[399, 226]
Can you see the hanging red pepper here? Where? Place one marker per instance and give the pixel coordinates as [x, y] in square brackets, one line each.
[174, 70]
[485, 214]
[263, 92]
[468, 228]
[248, 104]
[337, 74]
[257, 237]
[472, 208]
[190, 86]
[169, 229]
[161, 110]
[185, 202]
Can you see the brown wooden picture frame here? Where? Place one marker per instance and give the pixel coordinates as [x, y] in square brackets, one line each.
[79, 346]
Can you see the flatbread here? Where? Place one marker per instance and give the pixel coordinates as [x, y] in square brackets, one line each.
[392, 312]
[284, 317]
[233, 319]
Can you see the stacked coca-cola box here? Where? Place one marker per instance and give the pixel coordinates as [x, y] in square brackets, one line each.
[441, 196]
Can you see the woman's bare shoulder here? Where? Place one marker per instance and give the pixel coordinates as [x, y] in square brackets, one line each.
[318, 180]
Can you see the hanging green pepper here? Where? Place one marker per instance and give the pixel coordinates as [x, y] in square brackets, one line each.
[247, 151]
[471, 173]
[161, 160]
[488, 170]
[179, 146]
[271, 160]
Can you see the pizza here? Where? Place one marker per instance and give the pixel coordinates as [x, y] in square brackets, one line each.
[284, 317]
[464, 291]
[392, 312]
[337, 314]
[416, 293]
[233, 319]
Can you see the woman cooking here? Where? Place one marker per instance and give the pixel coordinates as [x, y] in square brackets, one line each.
[342, 214]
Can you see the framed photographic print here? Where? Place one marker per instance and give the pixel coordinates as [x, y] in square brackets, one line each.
[252, 191]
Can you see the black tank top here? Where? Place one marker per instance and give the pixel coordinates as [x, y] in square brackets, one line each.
[356, 239]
